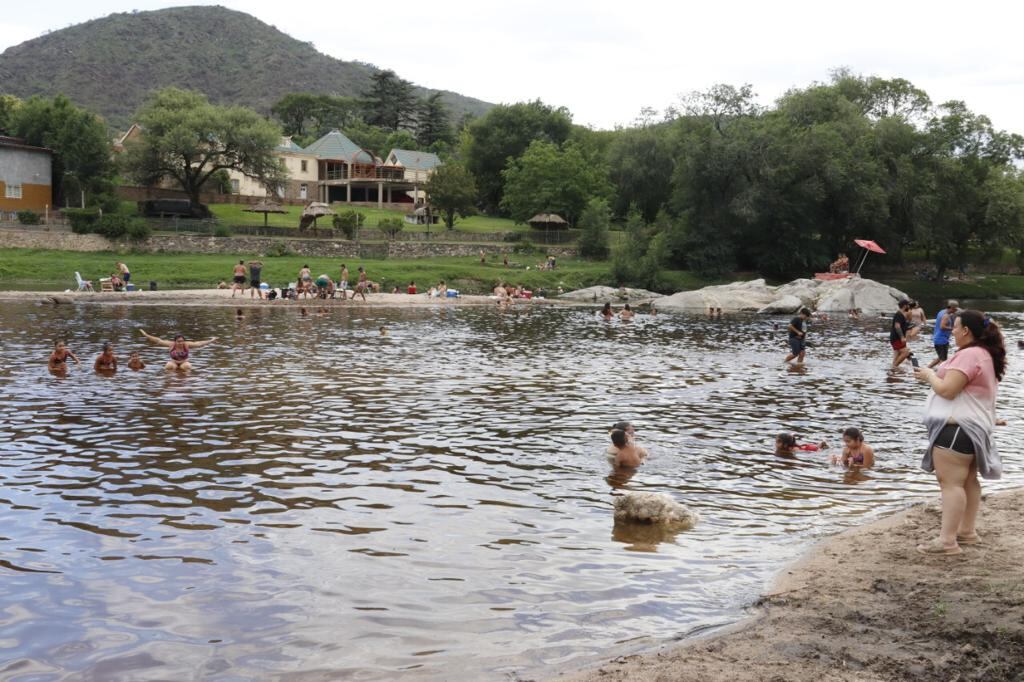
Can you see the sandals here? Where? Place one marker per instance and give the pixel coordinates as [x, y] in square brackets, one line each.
[937, 548]
[972, 539]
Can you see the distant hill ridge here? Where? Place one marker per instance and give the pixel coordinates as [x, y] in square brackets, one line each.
[109, 65]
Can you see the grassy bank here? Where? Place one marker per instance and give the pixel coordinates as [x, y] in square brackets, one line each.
[984, 286]
[234, 214]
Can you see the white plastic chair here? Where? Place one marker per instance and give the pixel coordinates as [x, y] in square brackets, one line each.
[83, 284]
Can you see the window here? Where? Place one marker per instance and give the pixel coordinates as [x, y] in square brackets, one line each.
[303, 163]
[12, 192]
[234, 186]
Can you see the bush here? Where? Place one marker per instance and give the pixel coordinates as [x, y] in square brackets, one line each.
[28, 217]
[82, 219]
[525, 247]
[279, 249]
[112, 226]
[222, 231]
[138, 229]
[391, 227]
[349, 223]
[595, 224]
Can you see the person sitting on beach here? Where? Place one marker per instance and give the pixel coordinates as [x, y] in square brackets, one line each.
[856, 453]
[179, 349]
[627, 454]
[786, 445]
[59, 357]
[626, 314]
[135, 362]
[442, 289]
[606, 312]
[411, 289]
[106, 361]
[116, 282]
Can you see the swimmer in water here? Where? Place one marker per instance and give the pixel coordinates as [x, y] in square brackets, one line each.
[59, 357]
[627, 454]
[856, 453]
[179, 349]
[383, 331]
[135, 362]
[607, 312]
[626, 315]
[106, 361]
[785, 445]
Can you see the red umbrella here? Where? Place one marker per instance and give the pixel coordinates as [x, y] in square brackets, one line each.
[868, 247]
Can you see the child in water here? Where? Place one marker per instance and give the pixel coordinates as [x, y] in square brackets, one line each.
[627, 454]
[59, 357]
[785, 445]
[856, 453]
[135, 362]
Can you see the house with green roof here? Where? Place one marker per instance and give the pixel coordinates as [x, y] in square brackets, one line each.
[351, 174]
[301, 166]
[416, 166]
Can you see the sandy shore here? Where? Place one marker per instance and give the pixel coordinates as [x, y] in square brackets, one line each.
[223, 297]
[864, 605]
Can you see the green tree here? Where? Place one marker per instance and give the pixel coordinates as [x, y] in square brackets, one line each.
[304, 115]
[549, 179]
[390, 102]
[189, 140]
[8, 105]
[452, 190]
[595, 222]
[503, 134]
[434, 124]
[641, 162]
[371, 138]
[78, 138]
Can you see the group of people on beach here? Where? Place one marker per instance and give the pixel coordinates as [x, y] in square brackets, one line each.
[107, 361]
[305, 286]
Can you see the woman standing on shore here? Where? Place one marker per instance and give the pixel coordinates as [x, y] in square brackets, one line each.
[960, 415]
[179, 349]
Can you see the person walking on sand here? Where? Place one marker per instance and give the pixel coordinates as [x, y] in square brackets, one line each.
[255, 270]
[238, 278]
[797, 336]
[898, 335]
[960, 415]
[179, 350]
[361, 284]
[943, 328]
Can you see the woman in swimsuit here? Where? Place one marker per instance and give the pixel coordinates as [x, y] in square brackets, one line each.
[856, 453]
[179, 349]
[59, 357]
[607, 312]
[106, 361]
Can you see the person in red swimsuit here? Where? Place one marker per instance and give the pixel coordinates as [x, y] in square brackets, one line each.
[179, 350]
[785, 445]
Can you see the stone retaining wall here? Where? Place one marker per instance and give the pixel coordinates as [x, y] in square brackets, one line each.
[40, 238]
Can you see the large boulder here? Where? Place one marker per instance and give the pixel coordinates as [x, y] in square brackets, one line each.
[602, 294]
[868, 295]
[734, 297]
[787, 304]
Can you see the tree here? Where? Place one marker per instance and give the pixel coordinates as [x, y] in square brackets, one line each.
[434, 125]
[452, 190]
[504, 133]
[595, 222]
[78, 138]
[641, 162]
[390, 102]
[189, 140]
[8, 105]
[548, 179]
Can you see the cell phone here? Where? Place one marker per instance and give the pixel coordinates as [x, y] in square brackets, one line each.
[914, 361]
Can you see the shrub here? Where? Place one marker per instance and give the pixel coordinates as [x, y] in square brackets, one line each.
[138, 229]
[28, 217]
[525, 247]
[595, 223]
[349, 223]
[82, 219]
[391, 227]
[112, 226]
[279, 249]
[222, 231]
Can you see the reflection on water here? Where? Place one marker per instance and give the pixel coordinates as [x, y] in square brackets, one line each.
[317, 499]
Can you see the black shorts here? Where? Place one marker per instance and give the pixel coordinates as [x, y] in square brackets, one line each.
[796, 345]
[126, 276]
[254, 283]
[239, 279]
[954, 438]
[942, 350]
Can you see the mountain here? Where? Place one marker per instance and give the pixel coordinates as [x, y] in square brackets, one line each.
[109, 65]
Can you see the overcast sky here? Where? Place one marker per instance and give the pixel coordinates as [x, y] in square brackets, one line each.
[605, 60]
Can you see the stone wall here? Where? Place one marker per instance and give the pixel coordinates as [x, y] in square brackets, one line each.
[42, 238]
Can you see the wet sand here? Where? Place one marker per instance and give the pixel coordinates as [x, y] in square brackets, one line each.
[864, 605]
[222, 297]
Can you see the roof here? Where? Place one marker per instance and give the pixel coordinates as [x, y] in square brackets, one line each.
[415, 160]
[18, 143]
[287, 145]
[552, 218]
[335, 146]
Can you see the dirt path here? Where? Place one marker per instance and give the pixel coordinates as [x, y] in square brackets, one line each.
[865, 605]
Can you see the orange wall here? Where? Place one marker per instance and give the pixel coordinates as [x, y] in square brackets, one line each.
[33, 198]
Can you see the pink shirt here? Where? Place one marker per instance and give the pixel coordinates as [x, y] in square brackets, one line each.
[976, 363]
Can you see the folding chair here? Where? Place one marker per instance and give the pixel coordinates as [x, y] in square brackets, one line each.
[83, 284]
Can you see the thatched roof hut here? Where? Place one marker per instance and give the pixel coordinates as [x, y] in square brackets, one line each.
[547, 221]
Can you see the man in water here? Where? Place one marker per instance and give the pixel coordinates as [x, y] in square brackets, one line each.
[797, 334]
[943, 328]
[898, 334]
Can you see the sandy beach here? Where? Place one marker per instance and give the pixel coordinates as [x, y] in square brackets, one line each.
[223, 297]
[864, 605]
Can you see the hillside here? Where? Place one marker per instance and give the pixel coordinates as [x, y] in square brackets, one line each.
[109, 65]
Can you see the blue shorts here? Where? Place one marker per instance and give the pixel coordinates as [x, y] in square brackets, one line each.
[796, 345]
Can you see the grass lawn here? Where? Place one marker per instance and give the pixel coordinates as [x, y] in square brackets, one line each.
[982, 286]
[233, 214]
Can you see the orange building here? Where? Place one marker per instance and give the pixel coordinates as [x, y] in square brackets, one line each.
[26, 175]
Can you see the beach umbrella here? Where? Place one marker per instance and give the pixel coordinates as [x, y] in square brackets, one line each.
[265, 207]
[313, 211]
[868, 247]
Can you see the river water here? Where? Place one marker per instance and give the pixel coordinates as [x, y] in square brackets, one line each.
[316, 501]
